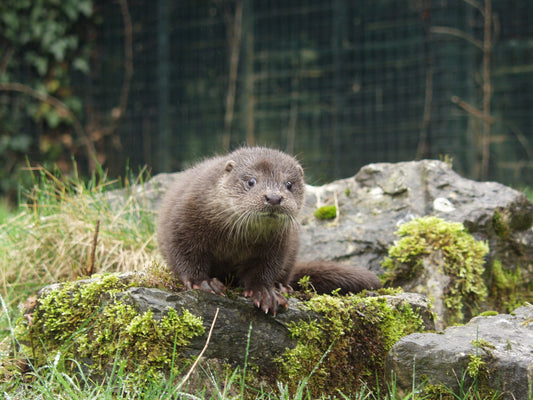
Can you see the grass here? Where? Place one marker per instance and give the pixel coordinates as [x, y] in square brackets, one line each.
[49, 239]
[5, 211]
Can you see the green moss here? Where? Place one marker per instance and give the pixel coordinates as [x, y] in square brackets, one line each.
[448, 159]
[347, 192]
[508, 289]
[488, 313]
[483, 344]
[326, 212]
[501, 228]
[462, 255]
[475, 366]
[158, 276]
[89, 322]
[438, 392]
[354, 334]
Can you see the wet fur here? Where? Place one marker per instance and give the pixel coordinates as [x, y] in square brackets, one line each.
[327, 276]
[215, 228]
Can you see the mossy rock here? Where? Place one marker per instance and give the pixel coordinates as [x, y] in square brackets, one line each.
[326, 212]
[90, 322]
[150, 333]
[490, 355]
[441, 259]
[346, 347]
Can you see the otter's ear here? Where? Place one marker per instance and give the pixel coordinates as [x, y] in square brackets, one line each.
[301, 171]
[229, 166]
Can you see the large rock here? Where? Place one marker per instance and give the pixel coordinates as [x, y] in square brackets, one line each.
[242, 334]
[269, 336]
[238, 318]
[381, 196]
[504, 343]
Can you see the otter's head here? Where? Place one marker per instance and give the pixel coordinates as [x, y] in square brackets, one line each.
[265, 187]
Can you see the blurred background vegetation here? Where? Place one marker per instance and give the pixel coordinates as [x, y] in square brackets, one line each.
[339, 83]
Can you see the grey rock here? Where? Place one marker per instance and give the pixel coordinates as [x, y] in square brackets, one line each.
[382, 196]
[238, 319]
[432, 282]
[241, 330]
[504, 343]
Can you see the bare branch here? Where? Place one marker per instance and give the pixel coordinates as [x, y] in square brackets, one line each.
[90, 267]
[423, 149]
[477, 5]
[234, 38]
[54, 102]
[487, 88]
[118, 112]
[457, 33]
[472, 110]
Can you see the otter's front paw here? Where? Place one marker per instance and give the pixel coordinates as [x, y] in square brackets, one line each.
[267, 299]
[212, 285]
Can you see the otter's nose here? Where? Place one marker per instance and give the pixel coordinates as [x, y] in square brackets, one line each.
[273, 199]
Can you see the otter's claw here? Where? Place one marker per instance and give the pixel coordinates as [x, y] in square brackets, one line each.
[212, 285]
[284, 288]
[266, 299]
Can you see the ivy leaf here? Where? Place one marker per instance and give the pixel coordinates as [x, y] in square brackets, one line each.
[58, 49]
[38, 61]
[85, 7]
[11, 23]
[81, 64]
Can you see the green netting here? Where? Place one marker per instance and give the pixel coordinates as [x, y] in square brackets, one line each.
[339, 83]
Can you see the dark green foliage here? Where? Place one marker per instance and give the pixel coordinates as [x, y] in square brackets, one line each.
[43, 44]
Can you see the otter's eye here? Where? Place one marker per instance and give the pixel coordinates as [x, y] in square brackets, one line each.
[288, 185]
[252, 182]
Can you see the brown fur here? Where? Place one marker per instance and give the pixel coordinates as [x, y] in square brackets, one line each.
[234, 217]
[327, 276]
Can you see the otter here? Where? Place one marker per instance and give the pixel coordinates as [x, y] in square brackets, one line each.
[232, 220]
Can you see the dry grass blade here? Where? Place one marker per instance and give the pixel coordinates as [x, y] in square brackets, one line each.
[90, 268]
[187, 376]
[54, 238]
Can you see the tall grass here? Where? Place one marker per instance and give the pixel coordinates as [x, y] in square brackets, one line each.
[51, 237]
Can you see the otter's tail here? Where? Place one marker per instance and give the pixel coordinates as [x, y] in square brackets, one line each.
[327, 276]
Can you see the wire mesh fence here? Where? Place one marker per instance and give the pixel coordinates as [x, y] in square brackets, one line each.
[339, 83]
